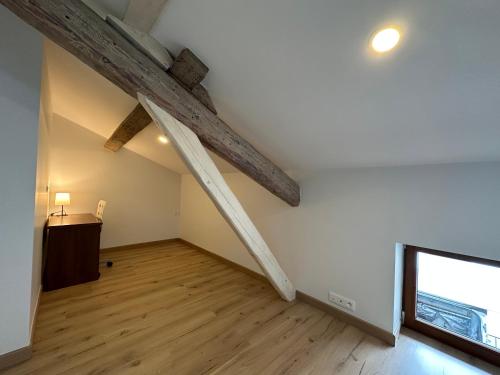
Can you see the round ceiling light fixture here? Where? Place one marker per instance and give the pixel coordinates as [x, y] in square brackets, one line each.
[162, 139]
[386, 39]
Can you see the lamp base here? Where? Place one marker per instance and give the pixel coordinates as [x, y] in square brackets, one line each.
[62, 212]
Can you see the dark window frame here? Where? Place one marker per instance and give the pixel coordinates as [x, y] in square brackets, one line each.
[409, 305]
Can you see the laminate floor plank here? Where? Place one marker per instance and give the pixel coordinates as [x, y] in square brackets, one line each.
[171, 309]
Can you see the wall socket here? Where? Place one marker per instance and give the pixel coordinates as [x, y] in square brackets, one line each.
[342, 301]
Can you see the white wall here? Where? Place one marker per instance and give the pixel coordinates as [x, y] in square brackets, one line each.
[41, 193]
[142, 197]
[343, 236]
[20, 73]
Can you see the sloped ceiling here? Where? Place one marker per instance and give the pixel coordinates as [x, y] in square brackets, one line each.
[83, 96]
[297, 80]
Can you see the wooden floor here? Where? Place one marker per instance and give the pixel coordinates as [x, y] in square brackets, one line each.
[173, 310]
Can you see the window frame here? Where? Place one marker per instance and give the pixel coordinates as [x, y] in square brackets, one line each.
[410, 298]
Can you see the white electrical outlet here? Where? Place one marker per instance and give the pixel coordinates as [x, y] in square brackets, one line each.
[341, 301]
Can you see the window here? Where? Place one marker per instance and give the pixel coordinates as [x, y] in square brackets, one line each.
[455, 299]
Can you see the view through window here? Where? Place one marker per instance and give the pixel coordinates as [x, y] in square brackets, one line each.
[459, 296]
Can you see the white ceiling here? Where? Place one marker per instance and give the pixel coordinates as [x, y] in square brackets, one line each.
[297, 80]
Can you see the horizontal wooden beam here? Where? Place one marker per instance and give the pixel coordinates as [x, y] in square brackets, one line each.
[136, 121]
[76, 28]
[144, 42]
[201, 93]
[206, 173]
[190, 66]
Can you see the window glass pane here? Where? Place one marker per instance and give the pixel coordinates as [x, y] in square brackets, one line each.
[459, 296]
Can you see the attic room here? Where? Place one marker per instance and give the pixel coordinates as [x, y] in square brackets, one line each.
[222, 187]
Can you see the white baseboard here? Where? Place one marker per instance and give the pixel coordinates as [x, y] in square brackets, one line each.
[15, 357]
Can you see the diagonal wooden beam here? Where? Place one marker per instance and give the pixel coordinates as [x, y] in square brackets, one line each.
[136, 121]
[209, 177]
[75, 27]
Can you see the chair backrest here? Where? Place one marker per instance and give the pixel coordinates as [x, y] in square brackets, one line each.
[100, 209]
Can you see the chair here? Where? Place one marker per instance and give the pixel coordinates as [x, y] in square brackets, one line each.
[99, 214]
[100, 209]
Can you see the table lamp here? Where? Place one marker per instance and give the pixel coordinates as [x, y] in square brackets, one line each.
[62, 199]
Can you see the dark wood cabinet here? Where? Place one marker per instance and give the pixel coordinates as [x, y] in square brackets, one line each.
[71, 250]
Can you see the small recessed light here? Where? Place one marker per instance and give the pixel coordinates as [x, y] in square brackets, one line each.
[385, 39]
[162, 139]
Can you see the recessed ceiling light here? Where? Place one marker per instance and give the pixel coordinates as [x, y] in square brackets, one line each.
[385, 39]
[162, 139]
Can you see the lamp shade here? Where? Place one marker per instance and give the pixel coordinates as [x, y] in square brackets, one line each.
[62, 199]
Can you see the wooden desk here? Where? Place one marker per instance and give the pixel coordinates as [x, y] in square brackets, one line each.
[71, 250]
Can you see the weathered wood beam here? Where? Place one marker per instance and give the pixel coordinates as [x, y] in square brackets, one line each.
[144, 42]
[97, 8]
[205, 171]
[75, 27]
[136, 121]
[188, 69]
[201, 93]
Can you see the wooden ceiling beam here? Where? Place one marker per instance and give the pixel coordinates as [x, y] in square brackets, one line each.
[143, 41]
[187, 68]
[136, 121]
[76, 28]
[189, 73]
